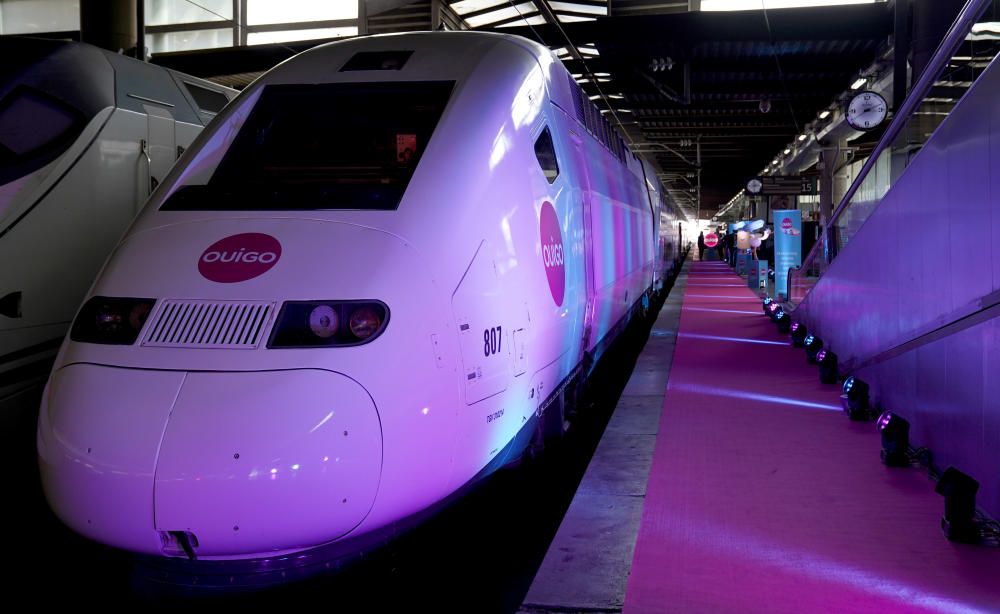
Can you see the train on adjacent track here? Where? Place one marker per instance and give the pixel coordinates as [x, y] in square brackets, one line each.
[367, 284]
[85, 135]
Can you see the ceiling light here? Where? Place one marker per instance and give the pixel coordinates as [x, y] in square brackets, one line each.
[859, 83]
[824, 114]
[803, 137]
[787, 151]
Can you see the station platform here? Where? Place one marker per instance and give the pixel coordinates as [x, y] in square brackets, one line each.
[761, 495]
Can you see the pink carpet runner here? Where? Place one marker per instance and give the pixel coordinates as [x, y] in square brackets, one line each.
[763, 497]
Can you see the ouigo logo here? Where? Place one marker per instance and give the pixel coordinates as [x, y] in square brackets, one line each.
[553, 256]
[239, 257]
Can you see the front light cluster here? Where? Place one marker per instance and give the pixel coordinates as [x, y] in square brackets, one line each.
[328, 323]
[111, 320]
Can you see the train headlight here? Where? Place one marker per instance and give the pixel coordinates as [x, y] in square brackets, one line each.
[305, 324]
[365, 322]
[323, 321]
[111, 320]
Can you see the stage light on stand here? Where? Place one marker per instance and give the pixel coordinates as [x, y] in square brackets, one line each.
[784, 322]
[813, 345]
[959, 520]
[855, 399]
[766, 303]
[799, 334]
[895, 433]
[772, 310]
[827, 362]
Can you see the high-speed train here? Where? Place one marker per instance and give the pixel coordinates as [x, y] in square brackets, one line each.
[84, 136]
[366, 285]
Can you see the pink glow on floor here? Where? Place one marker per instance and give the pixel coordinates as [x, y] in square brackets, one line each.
[763, 497]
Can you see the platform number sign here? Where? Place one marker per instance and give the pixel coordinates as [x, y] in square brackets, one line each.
[492, 339]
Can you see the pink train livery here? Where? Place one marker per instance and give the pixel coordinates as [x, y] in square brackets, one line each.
[368, 283]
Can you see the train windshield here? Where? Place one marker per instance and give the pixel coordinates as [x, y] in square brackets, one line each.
[321, 147]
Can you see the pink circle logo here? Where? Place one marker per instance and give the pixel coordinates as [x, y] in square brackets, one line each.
[786, 223]
[711, 239]
[553, 255]
[239, 257]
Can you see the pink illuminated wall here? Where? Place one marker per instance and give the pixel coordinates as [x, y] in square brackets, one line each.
[911, 302]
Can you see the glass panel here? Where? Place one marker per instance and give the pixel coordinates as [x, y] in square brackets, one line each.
[168, 12]
[957, 76]
[546, 155]
[329, 146]
[33, 16]
[192, 39]
[295, 11]
[285, 36]
[34, 130]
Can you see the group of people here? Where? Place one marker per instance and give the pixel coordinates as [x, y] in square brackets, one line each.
[726, 247]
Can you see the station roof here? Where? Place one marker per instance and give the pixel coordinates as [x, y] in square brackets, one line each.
[673, 80]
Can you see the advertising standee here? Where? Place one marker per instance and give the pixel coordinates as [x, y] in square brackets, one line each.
[787, 247]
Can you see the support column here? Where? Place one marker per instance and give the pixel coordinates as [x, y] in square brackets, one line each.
[832, 187]
[111, 24]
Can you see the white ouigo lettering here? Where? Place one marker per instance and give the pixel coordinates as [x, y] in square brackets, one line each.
[240, 256]
[552, 255]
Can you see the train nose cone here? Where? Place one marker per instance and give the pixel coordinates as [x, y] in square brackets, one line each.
[98, 432]
[246, 463]
[260, 462]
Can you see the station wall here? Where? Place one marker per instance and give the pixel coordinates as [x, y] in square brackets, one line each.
[910, 304]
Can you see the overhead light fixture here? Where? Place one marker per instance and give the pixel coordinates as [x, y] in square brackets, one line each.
[787, 151]
[827, 362]
[616, 96]
[799, 333]
[803, 137]
[855, 399]
[813, 345]
[959, 520]
[895, 433]
[824, 114]
[859, 83]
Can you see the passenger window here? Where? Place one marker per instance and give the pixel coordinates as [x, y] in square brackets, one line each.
[546, 155]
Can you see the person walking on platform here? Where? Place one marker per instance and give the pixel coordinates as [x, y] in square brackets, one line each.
[701, 246]
[720, 247]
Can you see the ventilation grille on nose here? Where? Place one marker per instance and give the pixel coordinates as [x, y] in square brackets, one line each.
[209, 324]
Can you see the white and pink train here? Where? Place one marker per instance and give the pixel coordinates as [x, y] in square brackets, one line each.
[360, 289]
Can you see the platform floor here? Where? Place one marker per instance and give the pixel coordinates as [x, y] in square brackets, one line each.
[763, 497]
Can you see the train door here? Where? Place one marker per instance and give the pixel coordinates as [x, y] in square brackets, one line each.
[580, 167]
[157, 152]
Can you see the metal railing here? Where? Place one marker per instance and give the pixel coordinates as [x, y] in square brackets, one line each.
[913, 123]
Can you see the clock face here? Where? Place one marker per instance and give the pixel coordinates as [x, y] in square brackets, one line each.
[866, 110]
[753, 186]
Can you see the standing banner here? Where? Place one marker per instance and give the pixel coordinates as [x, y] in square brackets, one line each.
[787, 246]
